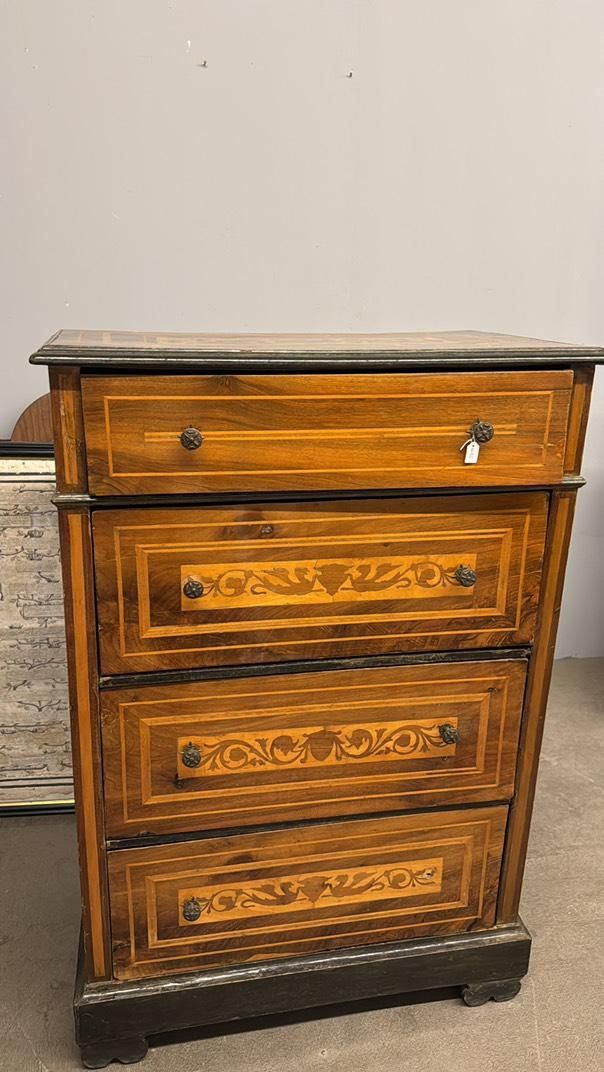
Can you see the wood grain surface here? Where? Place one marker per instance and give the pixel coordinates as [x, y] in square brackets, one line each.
[35, 423]
[68, 428]
[558, 542]
[267, 433]
[248, 751]
[577, 418]
[277, 894]
[308, 580]
[85, 347]
[80, 629]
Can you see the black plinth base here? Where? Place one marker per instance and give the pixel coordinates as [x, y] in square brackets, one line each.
[113, 1020]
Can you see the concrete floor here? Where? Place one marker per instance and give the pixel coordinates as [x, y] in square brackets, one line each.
[556, 1024]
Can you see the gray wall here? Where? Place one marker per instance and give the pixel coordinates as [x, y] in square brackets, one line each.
[455, 180]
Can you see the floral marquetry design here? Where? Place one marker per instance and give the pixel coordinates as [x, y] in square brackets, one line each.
[310, 746]
[235, 585]
[298, 892]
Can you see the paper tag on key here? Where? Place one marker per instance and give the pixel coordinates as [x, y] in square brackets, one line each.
[472, 452]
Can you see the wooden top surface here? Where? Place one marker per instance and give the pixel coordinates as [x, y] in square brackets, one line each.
[398, 350]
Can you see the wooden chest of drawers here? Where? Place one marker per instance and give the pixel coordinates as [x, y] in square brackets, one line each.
[312, 589]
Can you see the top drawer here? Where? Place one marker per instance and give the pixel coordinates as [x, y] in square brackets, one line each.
[168, 434]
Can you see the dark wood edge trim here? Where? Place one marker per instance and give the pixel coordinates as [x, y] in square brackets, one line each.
[110, 1011]
[106, 502]
[91, 357]
[8, 449]
[540, 668]
[151, 840]
[180, 677]
[81, 635]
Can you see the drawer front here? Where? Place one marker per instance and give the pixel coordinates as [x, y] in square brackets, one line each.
[166, 434]
[259, 750]
[259, 896]
[211, 587]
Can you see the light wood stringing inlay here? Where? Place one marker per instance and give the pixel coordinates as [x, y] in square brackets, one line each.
[68, 424]
[86, 751]
[390, 564]
[266, 432]
[270, 748]
[138, 346]
[271, 894]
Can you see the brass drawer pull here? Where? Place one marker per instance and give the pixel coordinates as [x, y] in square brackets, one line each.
[465, 576]
[191, 910]
[482, 431]
[191, 438]
[449, 734]
[193, 589]
[191, 755]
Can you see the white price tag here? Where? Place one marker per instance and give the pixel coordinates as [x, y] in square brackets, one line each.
[472, 452]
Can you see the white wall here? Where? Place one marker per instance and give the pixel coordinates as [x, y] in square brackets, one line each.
[455, 180]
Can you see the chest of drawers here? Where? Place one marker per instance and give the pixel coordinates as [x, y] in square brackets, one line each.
[312, 586]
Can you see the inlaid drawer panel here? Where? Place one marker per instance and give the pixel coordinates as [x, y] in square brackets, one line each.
[166, 434]
[223, 900]
[271, 749]
[217, 586]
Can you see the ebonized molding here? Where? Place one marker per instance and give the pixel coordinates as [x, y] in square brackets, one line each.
[106, 1012]
[163, 677]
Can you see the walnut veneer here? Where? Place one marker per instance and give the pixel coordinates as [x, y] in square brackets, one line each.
[286, 433]
[244, 751]
[310, 638]
[223, 586]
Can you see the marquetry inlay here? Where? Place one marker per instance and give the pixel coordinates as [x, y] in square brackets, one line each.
[288, 891]
[294, 893]
[291, 746]
[312, 747]
[229, 585]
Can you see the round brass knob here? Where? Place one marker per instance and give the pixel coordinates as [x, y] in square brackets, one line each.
[449, 734]
[191, 755]
[465, 576]
[482, 431]
[191, 438]
[192, 588]
[191, 910]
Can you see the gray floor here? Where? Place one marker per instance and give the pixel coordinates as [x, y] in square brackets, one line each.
[556, 1023]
